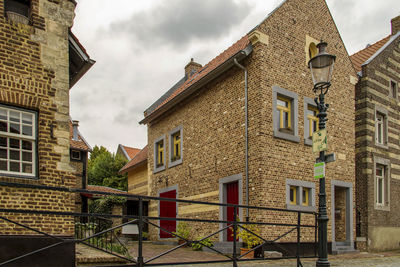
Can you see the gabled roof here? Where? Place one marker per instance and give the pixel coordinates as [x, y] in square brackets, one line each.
[242, 46]
[140, 158]
[129, 152]
[365, 54]
[79, 143]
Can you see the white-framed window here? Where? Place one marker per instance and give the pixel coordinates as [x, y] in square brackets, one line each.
[159, 154]
[381, 127]
[393, 89]
[175, 146]
[382, 183]
[17, 142]
[300, 195]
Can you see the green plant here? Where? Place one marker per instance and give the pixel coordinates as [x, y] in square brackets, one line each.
[198, 245]
[248, 238]
[145, 235]
[183, 230]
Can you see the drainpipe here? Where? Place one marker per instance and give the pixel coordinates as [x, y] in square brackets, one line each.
[246, 136]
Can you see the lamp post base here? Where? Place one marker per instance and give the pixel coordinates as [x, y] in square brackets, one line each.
[322, 262]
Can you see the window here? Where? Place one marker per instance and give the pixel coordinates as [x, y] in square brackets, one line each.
[381, 124]
[300, 195]
[17, 10]
[159, 154]
[310, 48]
[17, 142]
[75, 155]
[310, 120]
[382, 183]
[393, 89]
[285, 120]
[175, 144]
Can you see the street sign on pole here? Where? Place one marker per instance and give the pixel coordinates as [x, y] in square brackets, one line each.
[319, 141]
[319, 170]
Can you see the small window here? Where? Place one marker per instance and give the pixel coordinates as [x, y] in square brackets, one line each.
[175, 146]
[312, 50]
[283, 106]
[393, 89]
[380, 184]
[17, 142]
[379, 125]
[159, 154]
[75, 155]
[176, 150]
[17, 10]
[300, 195]
[312, 120]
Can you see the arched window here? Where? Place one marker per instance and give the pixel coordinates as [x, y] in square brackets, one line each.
[17, 10]
[312, 50]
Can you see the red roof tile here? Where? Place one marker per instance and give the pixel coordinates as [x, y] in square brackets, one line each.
[131, 151]
[139, 158]
[77, 144]
[214, 63]
[363, 55]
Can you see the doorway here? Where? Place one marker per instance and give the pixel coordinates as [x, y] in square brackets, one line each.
[168, 209]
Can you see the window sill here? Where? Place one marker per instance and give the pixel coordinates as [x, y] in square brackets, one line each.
[381, 207]
[300, 208]
[308, 141]
[384, 146]
[286, 136]
[159, 169]
[7, 175]
[175, 163]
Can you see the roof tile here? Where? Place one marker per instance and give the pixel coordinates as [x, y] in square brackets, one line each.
[139, 158]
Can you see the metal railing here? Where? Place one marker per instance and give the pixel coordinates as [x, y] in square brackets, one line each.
[102, 239]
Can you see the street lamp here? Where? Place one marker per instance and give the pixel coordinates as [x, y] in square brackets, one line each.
[321, 67]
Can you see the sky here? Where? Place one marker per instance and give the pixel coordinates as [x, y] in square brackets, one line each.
[141, 48]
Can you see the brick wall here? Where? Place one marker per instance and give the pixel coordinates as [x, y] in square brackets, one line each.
[138, 180]
[34, 75]
[213, 123]
[379, 227]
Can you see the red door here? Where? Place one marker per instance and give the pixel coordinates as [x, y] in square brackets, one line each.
[168, 209]
[232, 197]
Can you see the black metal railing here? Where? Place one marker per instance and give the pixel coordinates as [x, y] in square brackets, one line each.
[279, 227]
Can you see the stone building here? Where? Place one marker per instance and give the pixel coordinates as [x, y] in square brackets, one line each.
[199, 136]
[377, 143]
[40, 61]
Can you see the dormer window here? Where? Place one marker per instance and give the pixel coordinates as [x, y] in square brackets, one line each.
[17, 11]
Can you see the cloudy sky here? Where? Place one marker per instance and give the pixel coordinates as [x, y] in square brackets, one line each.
[141, 48]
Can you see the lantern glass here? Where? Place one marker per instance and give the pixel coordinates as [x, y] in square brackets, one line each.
[321, 66]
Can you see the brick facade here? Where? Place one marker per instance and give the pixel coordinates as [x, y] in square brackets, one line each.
[378, 223]
[213, 123]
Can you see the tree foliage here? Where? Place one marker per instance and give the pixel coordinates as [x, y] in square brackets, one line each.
[103, 167]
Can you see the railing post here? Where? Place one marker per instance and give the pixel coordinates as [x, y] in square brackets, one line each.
[298, 238]
[234, 235]
[316, 236]
[140, 226]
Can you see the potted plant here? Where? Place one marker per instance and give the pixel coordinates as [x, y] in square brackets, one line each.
[197, 245]
[182, 232]
[249, 239]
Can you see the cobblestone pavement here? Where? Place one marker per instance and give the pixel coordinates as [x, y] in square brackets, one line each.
[90, 257]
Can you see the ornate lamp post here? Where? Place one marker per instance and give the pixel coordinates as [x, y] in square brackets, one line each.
[321, 67]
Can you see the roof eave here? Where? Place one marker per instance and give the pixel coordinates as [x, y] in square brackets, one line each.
[199, 84]
[122, 171]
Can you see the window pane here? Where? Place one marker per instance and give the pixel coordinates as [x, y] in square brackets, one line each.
[15, 128]
[14, 143]
[14, 154]
[285, 120]
[14, 116]
[3, 114]
[14, 166]
[378, 171]
[3, 165]
[27, 168]
[291, 195]
[27, 145]
[27, 130]
[27, 118]
[3, 153]
[3, 141]
[380, 190]
[3, 126]
[27, 156]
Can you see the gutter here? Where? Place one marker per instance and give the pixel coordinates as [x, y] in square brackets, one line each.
[199, 84]
[246, 121]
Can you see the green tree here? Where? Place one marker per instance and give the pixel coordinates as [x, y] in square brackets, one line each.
[103, 167]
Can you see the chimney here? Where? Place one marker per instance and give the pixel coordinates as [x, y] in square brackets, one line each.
[395, 25]
[191, 68]
[75, 125]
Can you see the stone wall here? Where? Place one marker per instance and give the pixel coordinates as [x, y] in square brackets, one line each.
[34, 75]
[138, 180]
[213, 124]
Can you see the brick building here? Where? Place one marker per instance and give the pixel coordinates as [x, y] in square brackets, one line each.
[377, 143]
[197, 130]
[40, 61]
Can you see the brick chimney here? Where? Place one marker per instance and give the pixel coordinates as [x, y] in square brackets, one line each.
[395, 25]
[191, 68]
[75, 125]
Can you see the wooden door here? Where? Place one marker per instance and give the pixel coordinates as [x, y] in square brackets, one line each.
[168, 209]
[232, 197]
